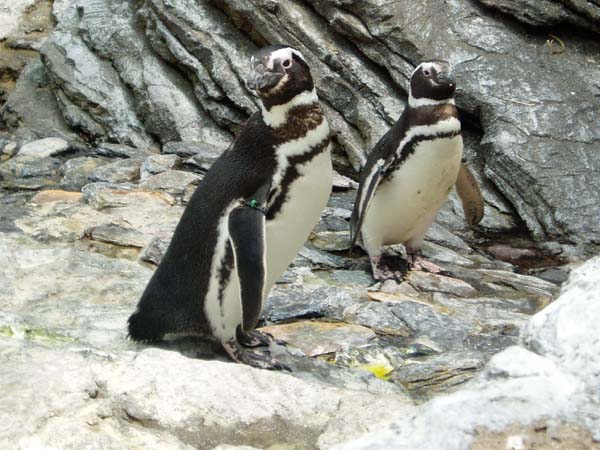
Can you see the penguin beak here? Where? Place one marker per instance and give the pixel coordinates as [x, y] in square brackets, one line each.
[261, 79]
[446, 78]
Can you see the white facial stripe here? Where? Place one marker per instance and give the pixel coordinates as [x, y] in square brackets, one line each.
[277, 115]
[417, 102]
[283, 54]
[443, 126]
[428, 66]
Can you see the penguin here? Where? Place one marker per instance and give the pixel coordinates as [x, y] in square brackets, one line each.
[411, 171]
[247, 219]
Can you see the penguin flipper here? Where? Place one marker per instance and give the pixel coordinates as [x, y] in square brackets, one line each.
[361, 205]
[470, 195]
[247, 232]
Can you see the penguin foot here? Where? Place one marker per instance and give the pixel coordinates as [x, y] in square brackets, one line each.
[255, 338]
[416, 261]
[382, 272]
[260, 360]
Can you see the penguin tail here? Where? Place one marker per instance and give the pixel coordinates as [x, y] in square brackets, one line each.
[145, 327]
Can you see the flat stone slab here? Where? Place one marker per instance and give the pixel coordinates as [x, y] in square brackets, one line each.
[318, 338]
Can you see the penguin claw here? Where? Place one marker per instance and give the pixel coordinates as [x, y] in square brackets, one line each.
[416, 262]
[260, 360]
[382, 274]
[255, 338]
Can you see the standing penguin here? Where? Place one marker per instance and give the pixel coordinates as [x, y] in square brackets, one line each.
[411, 171]
[247, 219]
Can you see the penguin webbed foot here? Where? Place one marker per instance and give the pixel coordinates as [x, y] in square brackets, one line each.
[382, 270]
[255, 338]
[416, 261]
[260, 359]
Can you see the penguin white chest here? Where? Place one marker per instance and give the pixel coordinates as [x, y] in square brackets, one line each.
[405, 206]
[306, 198]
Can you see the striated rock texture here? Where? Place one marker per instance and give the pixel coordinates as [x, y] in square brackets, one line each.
[126, 107]
[542, 393]
[154, 72]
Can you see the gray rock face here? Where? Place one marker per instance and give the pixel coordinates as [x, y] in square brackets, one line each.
[77, 172]
[156, 164]
[140, 98]
[160, 72]
[582, 13]
[44, 147]
[30, 172]
[553, 381]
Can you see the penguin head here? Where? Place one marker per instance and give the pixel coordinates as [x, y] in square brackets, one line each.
[432, 80]
[278, 74]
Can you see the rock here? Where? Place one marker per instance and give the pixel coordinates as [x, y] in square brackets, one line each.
[378, 317]
[155, 250]
[77, 172]
[11, 16]
[413, 318]
[546, 13]
[318, 338]
[511, 254]
[119, 234]
[122, 171]
[120, 151]
[66, 383]
[444, 255]
[300, 304]
[521, 282]
[52, 195]
[32, 108]
[234, 447]
[544, 393]
[289, 402]
[331, 240]
[556, 275]
[107, 195]
[352, 277]
[24, 26]
[30, 172]
[44, 147]
[425, 281]
[393, 287]
[173, 182]
[440, 235]
[202, 154]
[156, 164]
[341, 213]
[343, 183]
[375, 358]
[555, 388]
[438, 373]
[96, 292]
[561, 331]
[322, 259]
[9, 149]
[331, 223]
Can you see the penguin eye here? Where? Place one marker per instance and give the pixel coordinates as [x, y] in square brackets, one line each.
[287, 63]
[426, 72]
